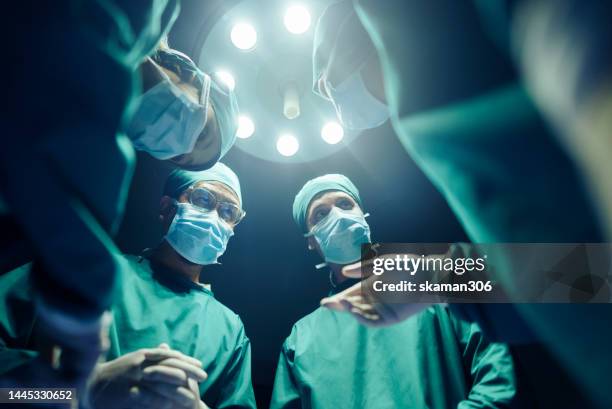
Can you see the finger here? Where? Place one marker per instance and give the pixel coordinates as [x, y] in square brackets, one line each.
[157, 354]
[333, 303]
[353, 270]
[142, 397]
[161, 373]
[190, 370]
[163, 345]
[178, 394]
[366, 315]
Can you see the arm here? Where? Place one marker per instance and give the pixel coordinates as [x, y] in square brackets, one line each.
[237, 388]
[286, 394]
[490, 367]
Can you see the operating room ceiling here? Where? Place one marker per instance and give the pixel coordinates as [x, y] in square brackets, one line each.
[264, 51]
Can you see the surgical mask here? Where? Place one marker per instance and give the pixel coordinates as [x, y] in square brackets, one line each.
[167, 123]
[340, 236]
[355, 106]
[200, 237]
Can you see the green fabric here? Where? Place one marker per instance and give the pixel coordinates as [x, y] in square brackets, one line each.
[429, 361]
[147, 312]
[179, 180]
[17, 320]
[318, 185]
[150, 310]
[496, 163]
[340, 46]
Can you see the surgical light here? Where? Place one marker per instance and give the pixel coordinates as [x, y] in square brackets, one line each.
[243, 36]
[287, 145]
[246, 128]
[227, 79]
[297, 19]
[332, 133]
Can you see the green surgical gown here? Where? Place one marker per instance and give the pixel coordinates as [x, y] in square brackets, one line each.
[150, 308]
[432, 360]
[467, 121]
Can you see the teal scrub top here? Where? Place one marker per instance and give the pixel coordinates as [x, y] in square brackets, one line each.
[432, 360]
[155, 307]
[150, 308]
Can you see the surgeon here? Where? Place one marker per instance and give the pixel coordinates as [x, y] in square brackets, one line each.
[461, 112]
[183, 114]
[168, 330]
[432, 360]
[76, 71]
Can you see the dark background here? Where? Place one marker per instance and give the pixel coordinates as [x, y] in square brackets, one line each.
[268, 276]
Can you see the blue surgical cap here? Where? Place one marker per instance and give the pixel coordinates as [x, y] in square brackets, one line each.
[341, 44]
[222, 99]
[225, 105]
[318, 185]
[180, 179]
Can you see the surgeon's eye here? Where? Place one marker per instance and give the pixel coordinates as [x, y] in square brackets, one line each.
[203, 198]
[345, 204]
[229, 212]
[319, 214]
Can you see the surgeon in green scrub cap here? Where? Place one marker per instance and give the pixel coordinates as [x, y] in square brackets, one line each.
[172, 344]
[433, 360]
[183, 115]
[460, 110]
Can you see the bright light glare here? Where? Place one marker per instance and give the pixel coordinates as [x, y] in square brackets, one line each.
[332, 133]
[244, 36]
[287, 145]
[246, 128]
[297, 19]
[227, 79]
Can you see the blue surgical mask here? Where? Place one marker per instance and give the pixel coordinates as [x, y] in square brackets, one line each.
[167, 123]
[356, 107]
[200, 237]
[340, 236]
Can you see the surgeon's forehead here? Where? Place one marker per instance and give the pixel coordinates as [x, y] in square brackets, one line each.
[223, 192]
[326, 198]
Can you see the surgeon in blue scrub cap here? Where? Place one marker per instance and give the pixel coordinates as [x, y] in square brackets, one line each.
[184, 115]
[346, 69]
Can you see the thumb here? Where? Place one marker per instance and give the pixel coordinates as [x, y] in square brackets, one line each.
[352, 270]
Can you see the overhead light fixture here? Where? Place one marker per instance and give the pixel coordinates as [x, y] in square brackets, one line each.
[297, 19]
[246, 127]
[227, 79]
[332, 133]
[287, 145]
[244, 36]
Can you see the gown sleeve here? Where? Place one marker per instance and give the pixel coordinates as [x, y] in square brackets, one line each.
[285, 394]
[237, 390]
[16, 320]
[490, 366]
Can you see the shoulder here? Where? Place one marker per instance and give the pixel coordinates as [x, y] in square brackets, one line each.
[226, 318]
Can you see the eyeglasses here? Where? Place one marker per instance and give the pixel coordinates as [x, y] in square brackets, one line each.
[207, 201]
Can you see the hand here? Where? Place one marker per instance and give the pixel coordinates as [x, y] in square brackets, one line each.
[152, 378]
[368, 310]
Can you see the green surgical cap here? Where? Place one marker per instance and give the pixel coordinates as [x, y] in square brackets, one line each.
[341, 44]
[225, 105]
[317, 185]
[179, 180]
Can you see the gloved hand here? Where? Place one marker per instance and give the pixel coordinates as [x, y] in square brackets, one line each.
[152, 378]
